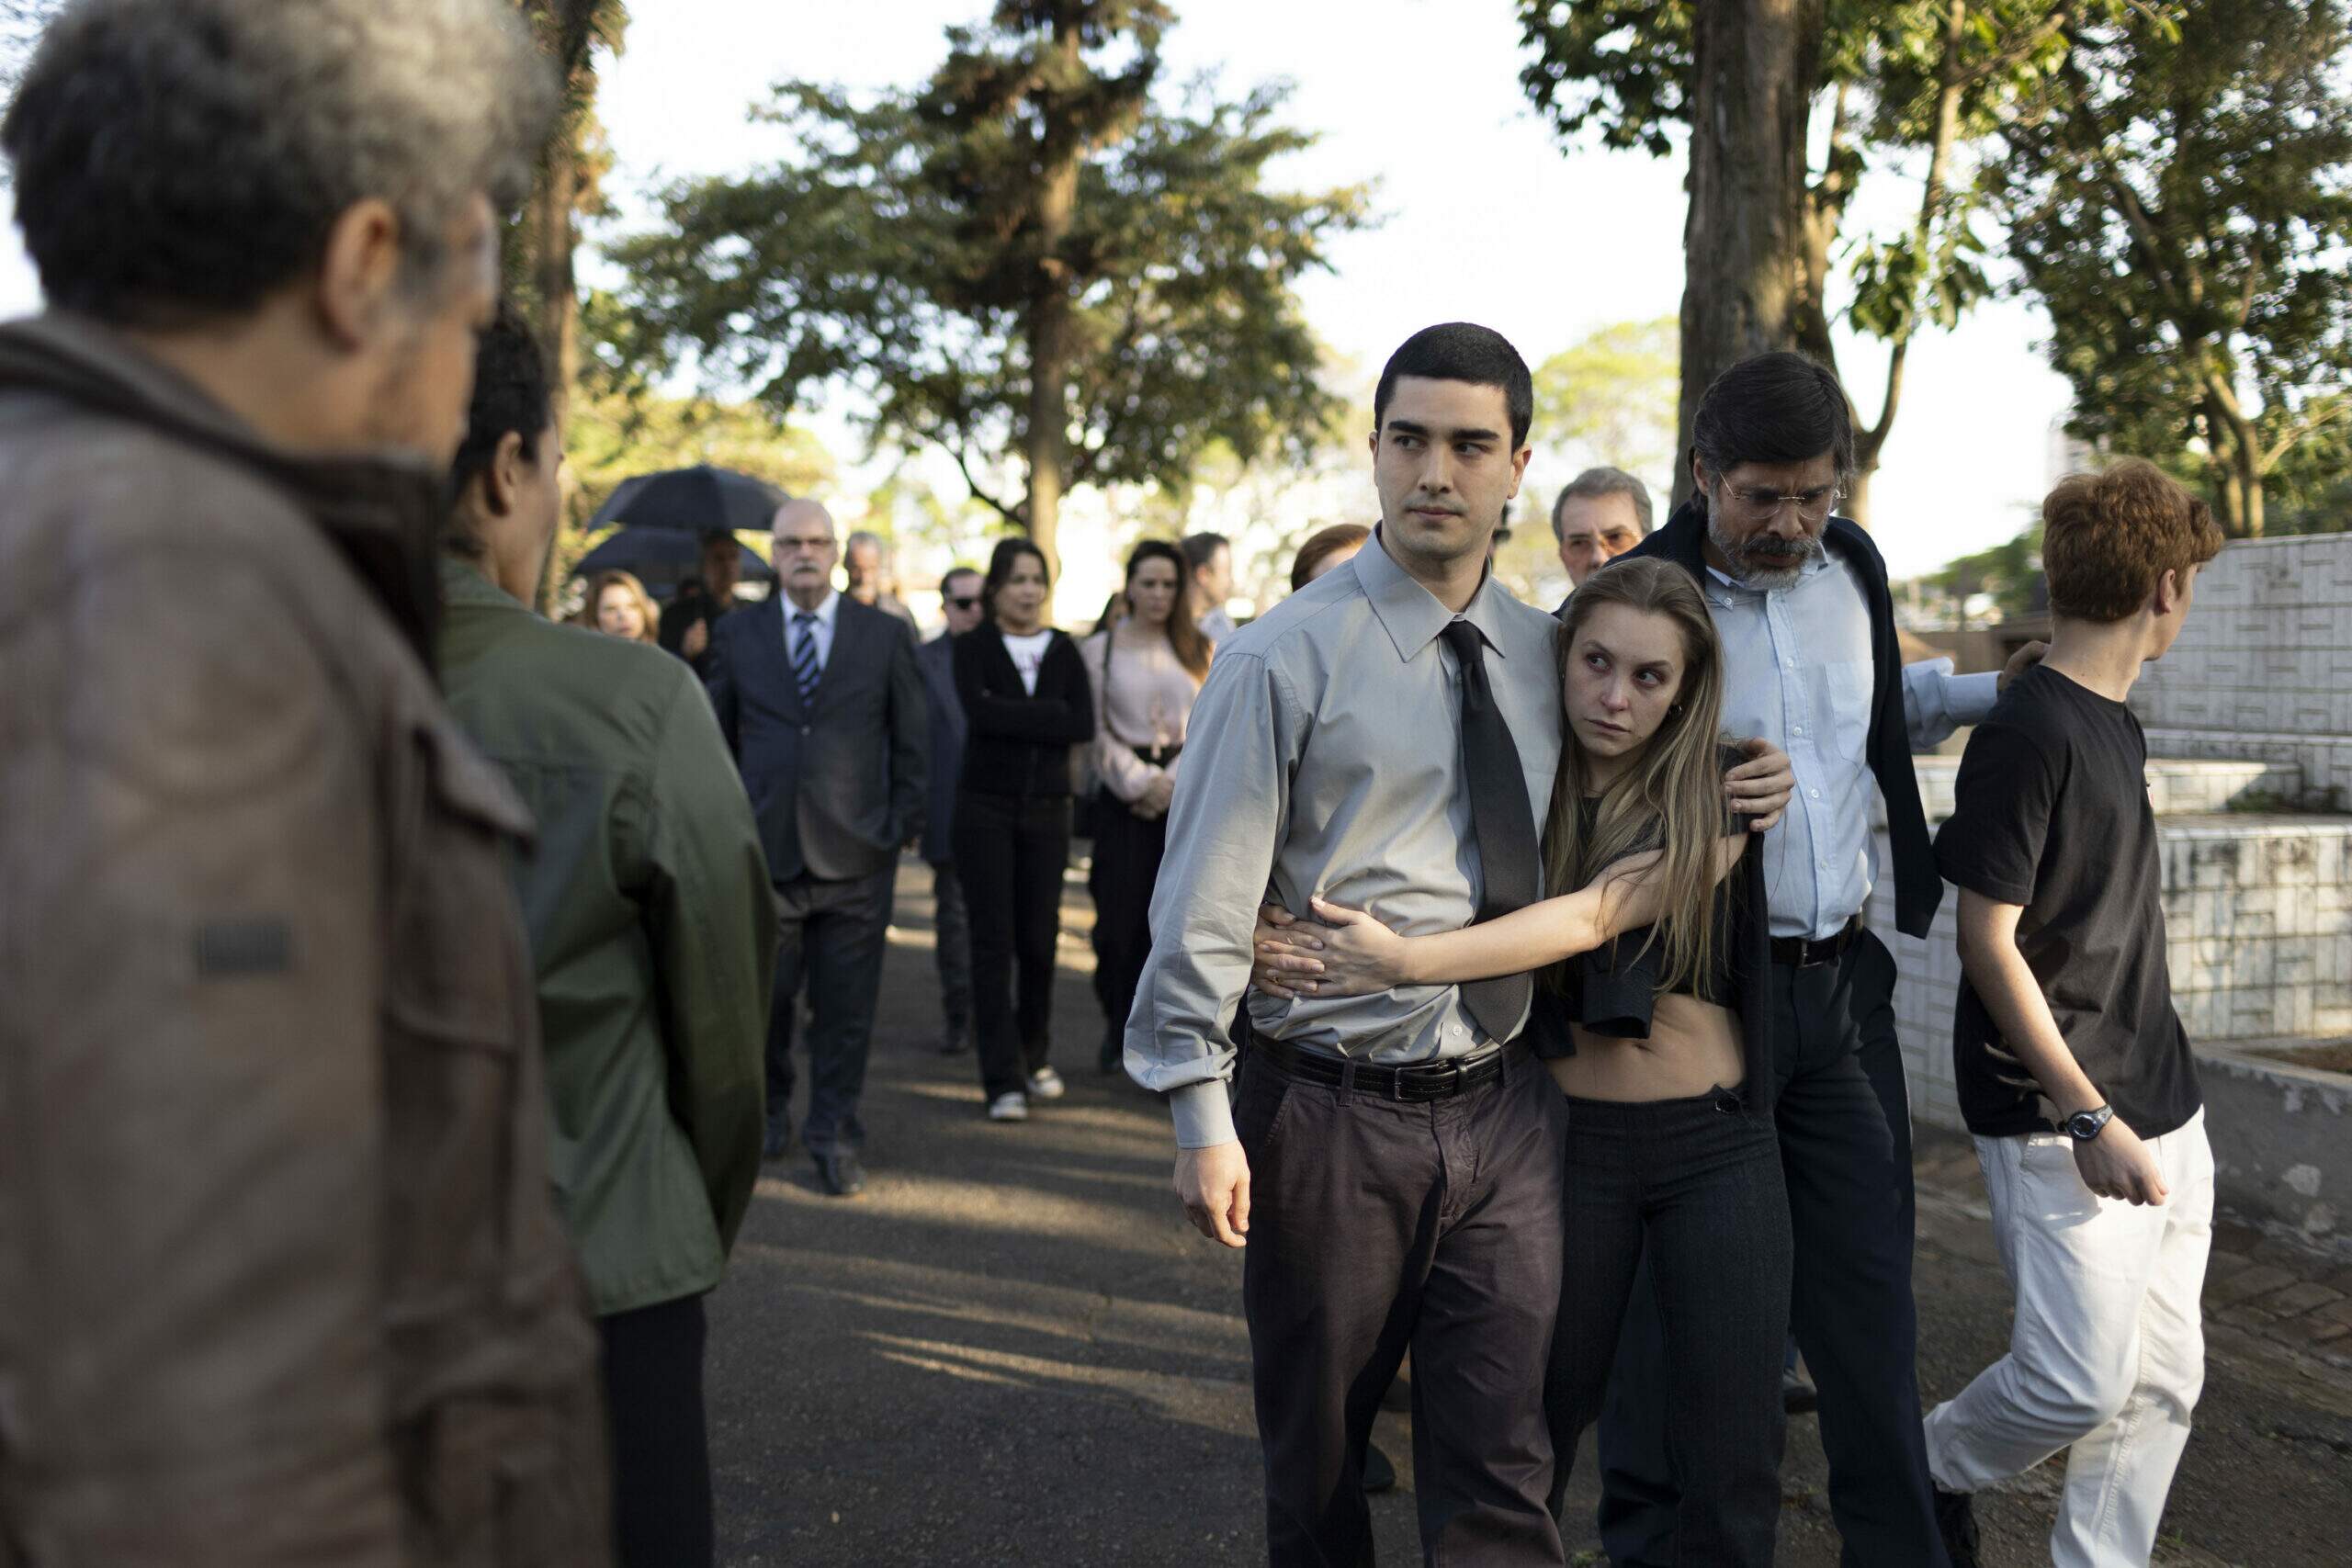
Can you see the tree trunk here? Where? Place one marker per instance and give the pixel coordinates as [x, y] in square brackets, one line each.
[555, 290]
[1755, 67]
[1047, 435]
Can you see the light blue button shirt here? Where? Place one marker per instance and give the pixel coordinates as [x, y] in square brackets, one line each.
[1798, 671]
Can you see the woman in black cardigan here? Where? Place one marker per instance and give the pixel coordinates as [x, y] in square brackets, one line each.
[1027, 703]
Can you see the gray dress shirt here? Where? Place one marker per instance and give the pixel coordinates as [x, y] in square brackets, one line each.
[1325, 757]
[1798, 671]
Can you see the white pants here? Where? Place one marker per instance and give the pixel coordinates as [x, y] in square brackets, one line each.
[2108, 1353]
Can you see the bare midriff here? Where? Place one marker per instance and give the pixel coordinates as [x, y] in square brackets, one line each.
[1693, 1046]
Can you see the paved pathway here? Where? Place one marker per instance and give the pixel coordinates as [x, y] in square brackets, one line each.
[1013, 1351]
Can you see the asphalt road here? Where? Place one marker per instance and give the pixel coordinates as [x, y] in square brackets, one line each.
[1011, 1350]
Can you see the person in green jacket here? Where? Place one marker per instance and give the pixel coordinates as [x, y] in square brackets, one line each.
[653, 932]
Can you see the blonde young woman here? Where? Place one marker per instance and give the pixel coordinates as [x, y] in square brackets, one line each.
[620, 606]
[1660, 1041]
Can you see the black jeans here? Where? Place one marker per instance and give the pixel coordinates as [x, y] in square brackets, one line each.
[1128, 852]
[1375, 1227]
[1844, 1121]
[1692, 1187]
[652, 1364]
[1010, 852]
[832, 938]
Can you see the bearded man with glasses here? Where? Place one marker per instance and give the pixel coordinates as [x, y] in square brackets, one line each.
[1800, 599]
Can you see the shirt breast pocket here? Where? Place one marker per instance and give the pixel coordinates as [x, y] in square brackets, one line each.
[1845, 706]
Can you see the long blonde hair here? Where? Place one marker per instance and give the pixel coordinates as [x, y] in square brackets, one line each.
[1671, 799]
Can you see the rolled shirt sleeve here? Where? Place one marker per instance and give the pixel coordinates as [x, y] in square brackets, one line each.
[1224, 827]
[1935, 701]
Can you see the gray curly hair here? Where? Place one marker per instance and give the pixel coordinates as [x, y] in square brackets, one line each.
[178, 160]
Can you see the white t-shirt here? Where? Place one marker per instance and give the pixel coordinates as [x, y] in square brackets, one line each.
[1028, 654]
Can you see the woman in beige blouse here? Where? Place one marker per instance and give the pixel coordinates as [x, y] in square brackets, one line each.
[1145, 668]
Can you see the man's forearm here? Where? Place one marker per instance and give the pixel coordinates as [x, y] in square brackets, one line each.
[2013, 998]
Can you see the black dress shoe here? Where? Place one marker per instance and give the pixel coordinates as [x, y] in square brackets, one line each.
[839, 1173]
[778, 1142]
[1797, 1396]
[1379, 1469]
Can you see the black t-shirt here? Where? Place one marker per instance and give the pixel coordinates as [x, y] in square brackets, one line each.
[2053, 813]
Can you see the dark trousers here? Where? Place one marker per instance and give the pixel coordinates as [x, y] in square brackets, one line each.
[833, 940]
[1011, 852]
[1128, 852]
[1844, 1121]
[952, 924]
[1377, 1227]
[1690, 1189]
[652, 1364]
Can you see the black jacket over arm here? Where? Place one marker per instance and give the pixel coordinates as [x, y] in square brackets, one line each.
[1612, 990]
[1018, 744]
[1918, 886]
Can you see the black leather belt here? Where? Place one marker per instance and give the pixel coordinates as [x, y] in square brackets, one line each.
[1438, 1080]
[1798, 953]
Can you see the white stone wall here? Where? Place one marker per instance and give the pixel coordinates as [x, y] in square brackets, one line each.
[2263, 669]
[2259, 934]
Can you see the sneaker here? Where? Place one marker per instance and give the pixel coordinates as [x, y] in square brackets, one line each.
[1956, 1521]
[1012, 1107]
[1047, 1084]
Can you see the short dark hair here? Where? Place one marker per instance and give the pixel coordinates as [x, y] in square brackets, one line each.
[1594, 483]
[1773, 408]
[1462, 351]
[954, 572]
[1202, 548]
[511, 397]
[176, 160]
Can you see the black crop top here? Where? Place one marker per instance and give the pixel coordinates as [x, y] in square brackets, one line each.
[1612, 990]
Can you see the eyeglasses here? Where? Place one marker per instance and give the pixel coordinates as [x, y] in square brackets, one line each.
[965, 601]
[1813, 505]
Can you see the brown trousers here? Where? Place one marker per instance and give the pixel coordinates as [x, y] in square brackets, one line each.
[1375, 1227]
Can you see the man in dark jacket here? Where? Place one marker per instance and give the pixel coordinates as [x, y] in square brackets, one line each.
[1800, 599]
[652, 931]
[821, 703]
[281, 1281]
[959, 598]
[693, 614]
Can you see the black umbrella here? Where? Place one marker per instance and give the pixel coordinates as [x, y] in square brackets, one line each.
[700, 500]
[659, 556]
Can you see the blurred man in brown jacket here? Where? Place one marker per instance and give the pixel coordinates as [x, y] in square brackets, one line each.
[281, 1282]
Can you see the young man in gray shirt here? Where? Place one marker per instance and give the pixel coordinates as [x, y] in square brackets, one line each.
[1386, 738]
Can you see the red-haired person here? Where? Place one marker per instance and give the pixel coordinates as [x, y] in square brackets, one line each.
[2074, 1072]
[620, 606]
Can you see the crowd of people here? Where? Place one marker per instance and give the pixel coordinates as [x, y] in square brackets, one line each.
[403, 987]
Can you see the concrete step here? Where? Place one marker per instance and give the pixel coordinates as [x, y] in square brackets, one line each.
[2180, 785]
[2277, 1116]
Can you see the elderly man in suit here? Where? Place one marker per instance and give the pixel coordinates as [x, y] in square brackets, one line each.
[821, 703]
[959, 598]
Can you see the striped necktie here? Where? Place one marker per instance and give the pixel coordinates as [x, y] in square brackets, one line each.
[803, 654]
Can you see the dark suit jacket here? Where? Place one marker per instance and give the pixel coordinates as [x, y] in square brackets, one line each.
[837, 786]
[938, 660]
[1918, 886]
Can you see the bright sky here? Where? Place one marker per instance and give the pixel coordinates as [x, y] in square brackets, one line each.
[1488, 219]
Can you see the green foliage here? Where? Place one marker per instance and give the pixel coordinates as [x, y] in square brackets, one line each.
[2009, 571]
[901, 252]
[1611, 398]
[2182, 201]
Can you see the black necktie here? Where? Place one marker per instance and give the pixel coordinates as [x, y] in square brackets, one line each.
[1508, 856]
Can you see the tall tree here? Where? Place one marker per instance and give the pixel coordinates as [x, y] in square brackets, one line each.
[1742, 83]
[2182, 200]
[1037, 253]
[546, 236]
